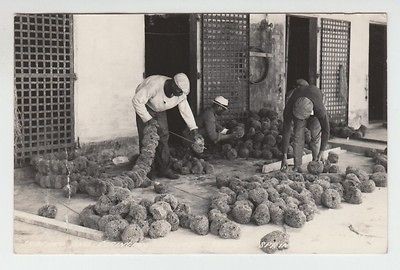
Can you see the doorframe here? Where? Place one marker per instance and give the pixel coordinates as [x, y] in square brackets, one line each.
[193, 62]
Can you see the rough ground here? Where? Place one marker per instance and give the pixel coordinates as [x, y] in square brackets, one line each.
[351, 229]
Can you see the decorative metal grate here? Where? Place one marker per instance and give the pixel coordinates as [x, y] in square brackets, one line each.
[43, 84]
[335, 51]
[225, 51]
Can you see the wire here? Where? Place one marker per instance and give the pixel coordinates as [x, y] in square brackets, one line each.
[183, 138]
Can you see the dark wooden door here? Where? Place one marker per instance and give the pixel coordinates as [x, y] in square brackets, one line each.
[301, 50]
[377, 73]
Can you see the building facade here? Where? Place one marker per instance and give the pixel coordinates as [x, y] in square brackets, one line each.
[75, 75]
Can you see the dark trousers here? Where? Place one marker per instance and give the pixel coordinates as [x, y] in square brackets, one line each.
[312, 123]
[162, 158]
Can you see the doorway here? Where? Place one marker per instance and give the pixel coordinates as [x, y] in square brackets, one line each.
[168, 51]
[377, 83]
[301, 49]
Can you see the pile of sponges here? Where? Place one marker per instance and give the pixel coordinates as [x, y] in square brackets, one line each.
[191, 165]
[291, 198]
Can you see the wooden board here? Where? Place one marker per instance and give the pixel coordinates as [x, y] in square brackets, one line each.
[306, 158]
[59, 226]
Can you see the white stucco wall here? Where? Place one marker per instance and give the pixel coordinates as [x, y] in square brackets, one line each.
[359, 57]
[109, 64]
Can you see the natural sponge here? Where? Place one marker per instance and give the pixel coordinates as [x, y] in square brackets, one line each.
[380, 179]
[378, 168]
[309, 209]
[221, 203]
[333, 157]
[137, 212]
[105, 219]
[168, 198]
[241, 212]
[276, 212]
[353, 195]
[199, 224]
[173, 219]
[294, 218]
[261, 214]
[132, 234]
[114, 229]
[276, 240]
[331, 198]
[231, 154]
[216, 224]
[159, 228]
[160, 210]
[258, 195]
[334, 168]
[229, 230]
[48, 210]
[160, 188]
[103, 205]
[316, 191]
[367, 186]
[315, 167]
[222, 180]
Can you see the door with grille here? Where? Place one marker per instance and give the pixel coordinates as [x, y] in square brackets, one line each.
[43, 84]
[225, 60]
[335, 52]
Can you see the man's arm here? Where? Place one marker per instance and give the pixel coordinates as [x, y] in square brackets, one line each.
[211, 127]
[287, 130]
[325, 131]
[287, 126]
[187, 114]
[218, 127]
[139, 102]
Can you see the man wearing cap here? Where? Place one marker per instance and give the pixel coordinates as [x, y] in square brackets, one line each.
[299, 83]
[306, 109]
[153, 97]
[208, 124]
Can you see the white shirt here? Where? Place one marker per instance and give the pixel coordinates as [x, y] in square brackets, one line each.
[151, 93]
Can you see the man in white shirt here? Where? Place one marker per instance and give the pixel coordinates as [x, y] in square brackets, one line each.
[153, 97]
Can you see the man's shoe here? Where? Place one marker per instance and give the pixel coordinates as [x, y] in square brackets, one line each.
[170, 175]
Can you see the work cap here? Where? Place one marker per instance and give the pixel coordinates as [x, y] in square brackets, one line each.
[301, 82]
[221, 101]
[182, 81]
[302, 108]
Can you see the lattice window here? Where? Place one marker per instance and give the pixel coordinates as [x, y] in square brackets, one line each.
[335, 51]
[43, 83]
[225, 55]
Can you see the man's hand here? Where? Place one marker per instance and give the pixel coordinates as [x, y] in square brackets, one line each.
[152, 122]
[194, 134]
[284, 164]
[198, 144]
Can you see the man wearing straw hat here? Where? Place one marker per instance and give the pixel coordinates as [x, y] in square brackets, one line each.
[305, 108]
[209, 127]
[153, 97]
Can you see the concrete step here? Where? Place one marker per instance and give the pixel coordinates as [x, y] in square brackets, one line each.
[357, 146]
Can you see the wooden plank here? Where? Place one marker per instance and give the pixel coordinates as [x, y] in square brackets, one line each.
[60, 226]
[306, 158]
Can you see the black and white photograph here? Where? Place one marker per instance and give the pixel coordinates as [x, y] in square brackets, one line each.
[199, 136]
[200, 133]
